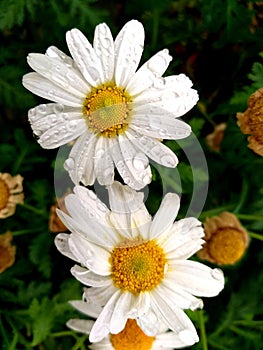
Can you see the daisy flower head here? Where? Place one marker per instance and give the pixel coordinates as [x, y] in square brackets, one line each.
[131, 337]
[11, 194]
[117, 114]
[136, 266]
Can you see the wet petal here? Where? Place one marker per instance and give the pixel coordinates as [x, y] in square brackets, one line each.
[59, 73]
[83, 326]
[89, 278]
[42, 87]
[103, 163]
[85, 57]
[165, 215]
[148, 73]
[153, 148]
[128, 50]
[196, 278]
[104, 47]
[61, 242]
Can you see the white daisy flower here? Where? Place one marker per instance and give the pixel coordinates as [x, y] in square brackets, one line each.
[131, 337]
[118, 116]
[136, 266]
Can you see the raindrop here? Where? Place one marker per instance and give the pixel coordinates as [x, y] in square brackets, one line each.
[99, 153]
[168, 161]
[140, 162]
[69, 164]
[147, 179]
[217, 274]
[72, 125]
[162, 132]
[92, 195]
[42, 109]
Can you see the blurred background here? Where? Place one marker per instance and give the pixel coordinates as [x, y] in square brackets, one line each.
[219, 45]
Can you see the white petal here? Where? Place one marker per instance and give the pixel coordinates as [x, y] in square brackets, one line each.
[88, 219]
[83, 326]
[101, 327]
[165, 215]
[120, 313]
[98, 297]
[61, 133]
[61, 242]
[172, 94]
[175, 317]
[128, 50]
[128, 211]
[125, 157]
[104, 47]
[153, 148]
[160, 126]
[149, 72]
[89, 278]
[42, 87]
[169, 340]
[181, 298]
[196, 278]
[59, 73]
[80, 163]
[85, 57]
[90, 309]
[103, 163]
[93, 257]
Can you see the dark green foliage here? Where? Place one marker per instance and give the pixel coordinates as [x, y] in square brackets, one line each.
[218, 44]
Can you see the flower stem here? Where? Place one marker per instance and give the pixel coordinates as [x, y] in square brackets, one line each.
[244, 192]
[200, 315]
[256, 235]
[33, 209]
[249, 217]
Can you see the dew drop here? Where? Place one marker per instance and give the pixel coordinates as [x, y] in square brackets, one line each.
[217, 274]
[69, 164]
[99, 153]
[42, 108]
[168, 161]
[140, 162]
[92, 195]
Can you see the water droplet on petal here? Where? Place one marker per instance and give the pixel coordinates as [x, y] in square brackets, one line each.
[217, 274]
[69, 164]
[168, 161]
[92, 195]
[140, 161]
[146, 179]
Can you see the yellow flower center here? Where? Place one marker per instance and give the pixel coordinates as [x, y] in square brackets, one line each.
[227, 246]
[4, 194]
[137, 266]
[131, 338]
[107, 110]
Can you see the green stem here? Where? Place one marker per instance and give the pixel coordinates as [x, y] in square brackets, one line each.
[255, 235]
[63, 334]
[33, 209]
[215, 211]
[19, 160]
[249, 217]
[244, 193]
[25, 232]
[200, 316]
[79, 343]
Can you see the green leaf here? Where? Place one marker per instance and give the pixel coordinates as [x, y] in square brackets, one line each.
[39, 253]
[42, 318]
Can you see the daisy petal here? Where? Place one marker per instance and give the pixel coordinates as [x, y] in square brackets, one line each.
[166, 215]
[126, 158]
[149, 73]
[59, 73]
[80, 163]
[85, 57]
[61, 242]
[173, 94]
[160, 126]
[55, 112]
[101, 326]
[42, 87]
[175, 318]
[59, 134]
[86, 253]
[90, 309]
[83, 326]
[153, 148]
[120, 313]
[182, 298]
[103, 163]
[128, 50]
[98, 297]
[88, 278]
[196, 278]
[54, 52]
[104, 47]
